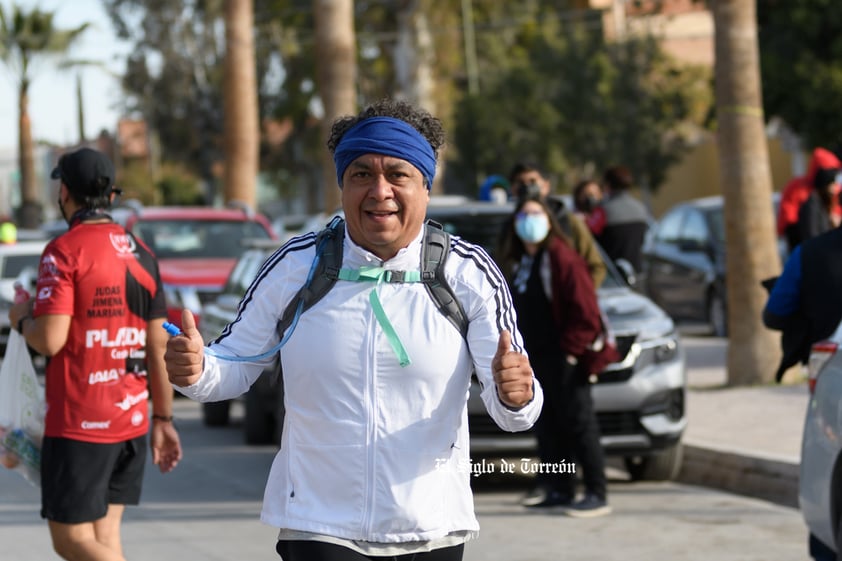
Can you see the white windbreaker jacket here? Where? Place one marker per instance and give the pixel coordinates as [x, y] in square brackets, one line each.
[371, 450]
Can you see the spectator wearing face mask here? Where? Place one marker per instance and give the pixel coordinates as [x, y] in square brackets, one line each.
[559, 317]
[821, 211]
[587, 196]
[798, 190]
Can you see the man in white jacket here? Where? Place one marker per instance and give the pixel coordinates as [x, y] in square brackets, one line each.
[375, 437]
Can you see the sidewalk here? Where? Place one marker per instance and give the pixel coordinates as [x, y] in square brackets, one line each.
[745, 440]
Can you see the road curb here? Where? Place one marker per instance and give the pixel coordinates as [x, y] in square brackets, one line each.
[770, 478]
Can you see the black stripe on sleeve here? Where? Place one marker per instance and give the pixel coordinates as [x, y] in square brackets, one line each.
[298, 243]
[502, 298]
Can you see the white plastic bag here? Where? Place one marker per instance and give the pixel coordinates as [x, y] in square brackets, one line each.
[21, 411]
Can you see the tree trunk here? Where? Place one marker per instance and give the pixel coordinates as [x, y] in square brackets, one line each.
[414, 62]
[753, 350]
[336, 75]
[242, 135]
[29, 214]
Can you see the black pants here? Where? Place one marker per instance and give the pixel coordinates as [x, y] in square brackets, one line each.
[306, 550]
[567, 429]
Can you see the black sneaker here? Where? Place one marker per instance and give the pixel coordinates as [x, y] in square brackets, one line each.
[541, 498]
[589, 507]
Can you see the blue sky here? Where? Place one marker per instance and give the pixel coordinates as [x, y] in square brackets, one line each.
[52, 105]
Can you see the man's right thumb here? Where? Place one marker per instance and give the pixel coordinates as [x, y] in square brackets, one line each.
[188, 323]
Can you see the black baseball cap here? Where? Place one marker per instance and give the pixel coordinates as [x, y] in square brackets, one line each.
[87, 173]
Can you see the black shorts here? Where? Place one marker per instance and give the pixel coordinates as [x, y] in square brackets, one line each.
[80, 479]
[311, 550]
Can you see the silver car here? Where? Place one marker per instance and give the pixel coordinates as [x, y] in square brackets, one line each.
[820, 479]
[640, 401]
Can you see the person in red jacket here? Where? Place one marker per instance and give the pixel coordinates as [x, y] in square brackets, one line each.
[797, 191]
[559, 317]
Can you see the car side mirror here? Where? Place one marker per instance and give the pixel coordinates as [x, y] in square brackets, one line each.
[627, 271]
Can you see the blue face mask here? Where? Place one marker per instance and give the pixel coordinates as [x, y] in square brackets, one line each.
[532, 228]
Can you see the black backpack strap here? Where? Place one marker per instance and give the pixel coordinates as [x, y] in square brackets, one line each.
[434, 253]
[329, 243]
[328, 261]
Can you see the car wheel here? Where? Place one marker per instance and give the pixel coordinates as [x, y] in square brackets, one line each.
[663, 465]
[829, 552]
[216, 413]
[819, 551]
[717, 316]
[259, 423]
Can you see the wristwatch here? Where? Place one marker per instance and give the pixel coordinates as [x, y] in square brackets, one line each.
[20, 323]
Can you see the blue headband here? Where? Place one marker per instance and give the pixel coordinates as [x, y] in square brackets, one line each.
[387, 136]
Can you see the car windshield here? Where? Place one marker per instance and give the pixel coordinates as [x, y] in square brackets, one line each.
[717, 224]
[197, 239]
[716, 218]
[13, 265]
[483, 228]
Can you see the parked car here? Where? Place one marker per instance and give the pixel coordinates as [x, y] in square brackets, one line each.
[17, 261]
[820, 478]
[264, 403]
[196, 247]
[639, 401]
[684, 262]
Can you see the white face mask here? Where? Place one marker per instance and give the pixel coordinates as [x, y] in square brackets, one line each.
[532, 228]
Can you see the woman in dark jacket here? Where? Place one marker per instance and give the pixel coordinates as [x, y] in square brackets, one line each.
[821, 211]
[560, 320]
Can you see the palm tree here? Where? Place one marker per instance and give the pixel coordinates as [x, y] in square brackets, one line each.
[242, 135]
[336, 72]
[25, 39]
[745, 175]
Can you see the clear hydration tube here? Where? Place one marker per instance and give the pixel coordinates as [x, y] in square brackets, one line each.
[173, 329]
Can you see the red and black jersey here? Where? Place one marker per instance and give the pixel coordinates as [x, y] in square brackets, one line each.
[108, 281]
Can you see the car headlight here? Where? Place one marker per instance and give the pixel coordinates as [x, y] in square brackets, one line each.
[666, 350]
[656, 351]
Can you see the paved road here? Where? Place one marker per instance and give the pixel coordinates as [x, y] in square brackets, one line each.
[208, 511]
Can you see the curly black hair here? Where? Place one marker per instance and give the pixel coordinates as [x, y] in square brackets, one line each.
[421, 120]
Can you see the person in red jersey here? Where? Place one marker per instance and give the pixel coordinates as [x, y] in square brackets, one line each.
[98, 314]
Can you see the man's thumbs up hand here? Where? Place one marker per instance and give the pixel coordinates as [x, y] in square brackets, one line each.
[512, 373]
[185, 353]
